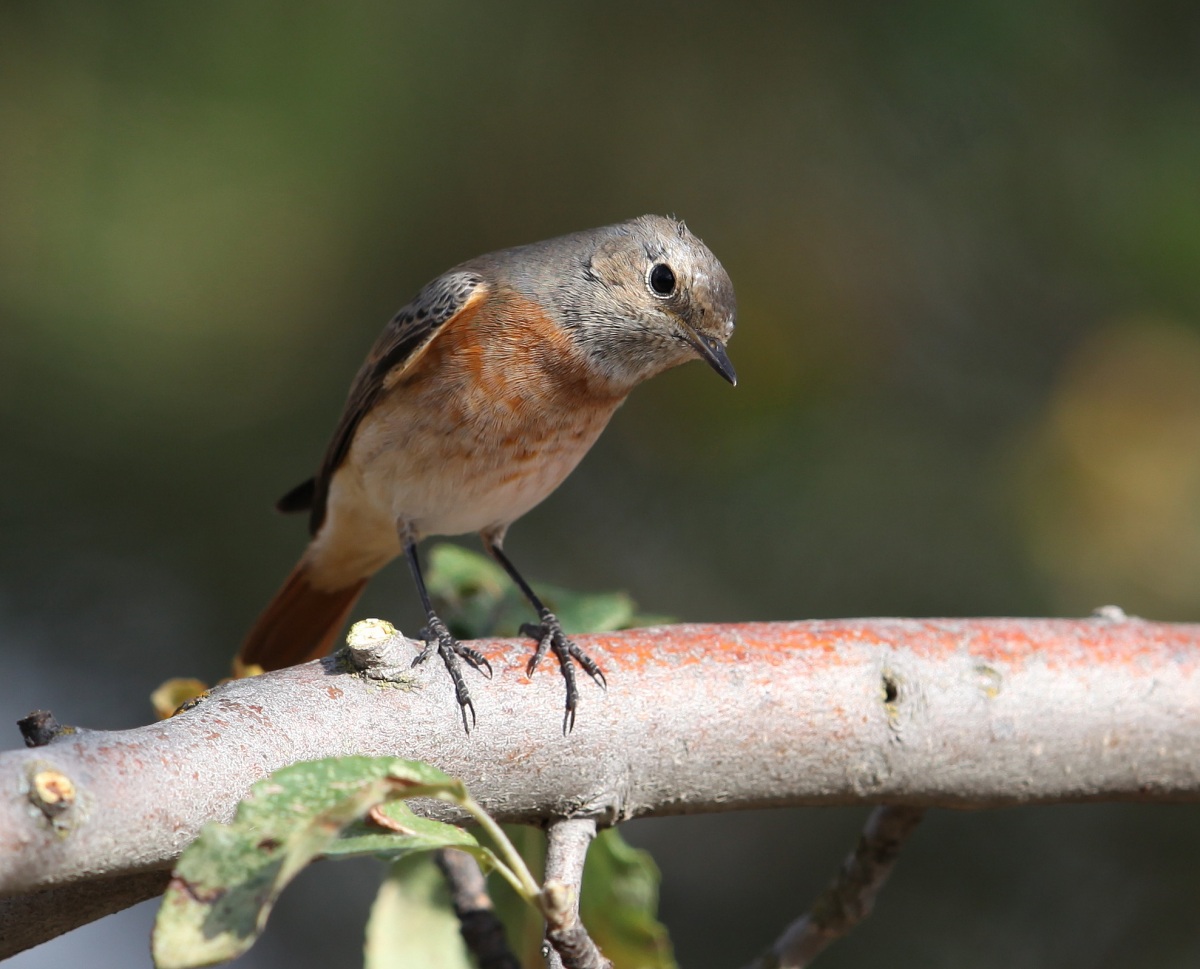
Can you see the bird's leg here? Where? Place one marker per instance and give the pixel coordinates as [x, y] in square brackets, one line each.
[437, 637]
[550, 638]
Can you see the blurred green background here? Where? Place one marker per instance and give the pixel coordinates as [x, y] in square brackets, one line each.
[966, 244]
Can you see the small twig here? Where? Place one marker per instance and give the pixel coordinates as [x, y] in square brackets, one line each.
[481, 930]
[850, 896]
[566, 851]
[40, 727]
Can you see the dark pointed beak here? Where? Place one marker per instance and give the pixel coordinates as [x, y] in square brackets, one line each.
[713, 353]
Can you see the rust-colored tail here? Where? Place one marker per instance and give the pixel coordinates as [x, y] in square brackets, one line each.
[300, 623]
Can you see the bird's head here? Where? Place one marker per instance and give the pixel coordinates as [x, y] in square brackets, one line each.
[646, 295]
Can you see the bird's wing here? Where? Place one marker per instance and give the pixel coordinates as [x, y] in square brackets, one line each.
[402, 342]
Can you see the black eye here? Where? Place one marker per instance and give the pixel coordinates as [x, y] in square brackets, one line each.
[662, 279]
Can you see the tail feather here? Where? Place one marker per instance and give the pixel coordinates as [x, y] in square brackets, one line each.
[300, 623]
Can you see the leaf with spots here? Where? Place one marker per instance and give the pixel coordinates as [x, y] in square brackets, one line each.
[227, 881]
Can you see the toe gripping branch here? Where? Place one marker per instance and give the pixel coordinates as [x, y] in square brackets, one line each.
[548, 633]
[438, 637]
[550, 637]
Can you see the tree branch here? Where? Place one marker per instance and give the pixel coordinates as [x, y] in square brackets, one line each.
[34, 918]
[697, 718]
[566, 851]
[481, 928]
[850, 896]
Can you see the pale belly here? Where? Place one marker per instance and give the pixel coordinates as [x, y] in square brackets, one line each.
[458, 490]
[429, 474]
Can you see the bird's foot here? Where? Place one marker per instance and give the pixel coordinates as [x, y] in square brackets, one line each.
[438, 638]
[551, 638]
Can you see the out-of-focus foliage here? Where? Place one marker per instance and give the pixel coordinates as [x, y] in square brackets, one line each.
[964, 239]
[412, 920]
[477, 599]
[1113, 487]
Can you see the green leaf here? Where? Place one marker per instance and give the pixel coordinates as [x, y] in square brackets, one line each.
[227, 881]
[410, 833]
[619, 904]
[481, 600]
[412, 922]
[591, 612]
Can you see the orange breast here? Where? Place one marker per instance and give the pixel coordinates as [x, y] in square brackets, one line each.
[508, 368]
[487, 422]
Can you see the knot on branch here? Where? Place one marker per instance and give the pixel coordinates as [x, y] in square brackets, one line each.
[377, 649]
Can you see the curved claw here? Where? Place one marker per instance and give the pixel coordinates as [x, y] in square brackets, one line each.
[437, 637]
[544, 637]
[430, 642]
[590, 666]
[475, 658]
[550, 637]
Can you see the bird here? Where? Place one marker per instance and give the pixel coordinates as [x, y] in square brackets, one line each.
[475, 403]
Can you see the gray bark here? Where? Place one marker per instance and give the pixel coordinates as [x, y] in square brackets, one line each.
[567, 842]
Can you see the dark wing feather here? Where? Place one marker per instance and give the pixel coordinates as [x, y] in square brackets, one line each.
[300, 498]
[402, 339]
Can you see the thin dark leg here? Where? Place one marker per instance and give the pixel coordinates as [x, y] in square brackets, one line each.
[550, 637]
[438, 637]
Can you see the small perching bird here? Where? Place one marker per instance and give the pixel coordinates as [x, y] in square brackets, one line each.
[478, 399]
